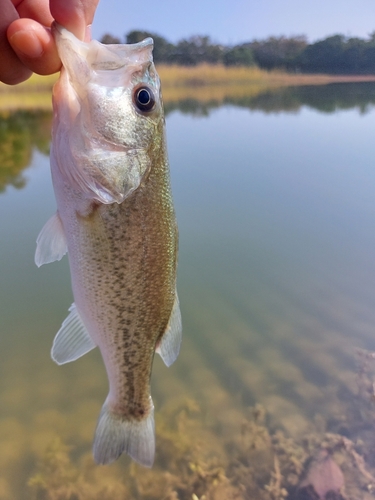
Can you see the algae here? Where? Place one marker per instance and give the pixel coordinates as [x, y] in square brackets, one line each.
[254, 462]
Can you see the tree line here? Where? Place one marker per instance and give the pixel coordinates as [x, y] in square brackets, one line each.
[336, 54]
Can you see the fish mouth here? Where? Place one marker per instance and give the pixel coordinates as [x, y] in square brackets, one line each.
[108, 140]
[100, 56]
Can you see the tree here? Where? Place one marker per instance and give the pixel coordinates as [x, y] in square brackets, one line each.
[110, 39]
[335, 54]
[197, 49]
[163, 50]
[368, 56]
[278, 52]
[239, 55]
[324, 56]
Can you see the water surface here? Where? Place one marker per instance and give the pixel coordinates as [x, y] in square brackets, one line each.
[275, 201]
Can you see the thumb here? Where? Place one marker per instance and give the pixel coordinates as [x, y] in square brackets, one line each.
[34, 46]
[74, 15]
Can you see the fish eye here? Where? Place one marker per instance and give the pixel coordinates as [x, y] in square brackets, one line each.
[143, 98]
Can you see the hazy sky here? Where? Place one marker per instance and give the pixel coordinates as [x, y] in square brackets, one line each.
[234, 21]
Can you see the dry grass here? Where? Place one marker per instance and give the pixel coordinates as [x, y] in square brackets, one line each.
[210, 93]
[204, 82]
[35, 93]
[206, 74]
[36, 83]
[25, 100]
[215, 83]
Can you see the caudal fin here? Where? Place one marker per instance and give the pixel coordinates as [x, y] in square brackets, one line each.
[114, 436]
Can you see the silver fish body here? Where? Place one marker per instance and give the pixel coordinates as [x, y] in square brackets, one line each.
[116, 219]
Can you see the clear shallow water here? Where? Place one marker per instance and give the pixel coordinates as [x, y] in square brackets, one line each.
[276, 210]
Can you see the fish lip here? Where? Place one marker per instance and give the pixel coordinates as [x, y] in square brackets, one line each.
[95, 57]
[55, 26]
[59, 30]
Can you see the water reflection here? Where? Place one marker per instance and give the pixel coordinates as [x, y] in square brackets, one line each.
[23, 131]
[326, 98]
[20, 133]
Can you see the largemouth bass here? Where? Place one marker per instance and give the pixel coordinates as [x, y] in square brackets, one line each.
[115, 218]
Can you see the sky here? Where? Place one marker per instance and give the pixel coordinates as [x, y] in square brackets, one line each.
[235, 21]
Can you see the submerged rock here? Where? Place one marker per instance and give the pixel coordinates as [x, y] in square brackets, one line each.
[323, 481]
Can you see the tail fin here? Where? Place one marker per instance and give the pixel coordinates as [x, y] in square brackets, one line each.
[114, 436]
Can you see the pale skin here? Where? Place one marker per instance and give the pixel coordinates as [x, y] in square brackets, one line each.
[26, 43]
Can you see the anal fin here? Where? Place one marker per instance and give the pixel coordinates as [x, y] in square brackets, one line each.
[72, 340]
[51, 242]
[169, 345]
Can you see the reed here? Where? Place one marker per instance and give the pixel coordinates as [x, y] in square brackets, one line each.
[36, 101]
[33, 94]
[36, 83]
[206, 74]
[204, 83]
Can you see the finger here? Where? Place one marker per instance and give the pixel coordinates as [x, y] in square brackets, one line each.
[38, 10]
[75, 15]
[12, 71]
[34, 46]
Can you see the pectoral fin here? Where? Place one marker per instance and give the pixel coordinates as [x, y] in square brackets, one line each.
[72, 340]
[169, 345]
[51, 242]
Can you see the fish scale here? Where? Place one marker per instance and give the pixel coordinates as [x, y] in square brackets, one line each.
[116, 220]
[115, 291]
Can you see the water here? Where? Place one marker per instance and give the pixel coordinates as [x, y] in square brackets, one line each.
[275, 201]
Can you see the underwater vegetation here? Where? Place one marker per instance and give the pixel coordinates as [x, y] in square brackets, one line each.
[194, 463]
[236, 455]
[269, 393]
[210, 447]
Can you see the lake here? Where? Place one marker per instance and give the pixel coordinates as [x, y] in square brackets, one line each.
[275, 200]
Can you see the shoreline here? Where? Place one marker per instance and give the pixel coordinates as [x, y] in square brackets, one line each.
[180, 82]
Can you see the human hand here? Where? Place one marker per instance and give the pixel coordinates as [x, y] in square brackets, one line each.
[26, 43]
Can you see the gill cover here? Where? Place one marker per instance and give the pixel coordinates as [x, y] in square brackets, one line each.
[102, 140]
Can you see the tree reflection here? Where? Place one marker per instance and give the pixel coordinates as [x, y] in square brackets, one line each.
[20, 134]
[324, 98]
[24, 131]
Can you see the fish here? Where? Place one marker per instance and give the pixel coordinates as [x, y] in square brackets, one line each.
[116, 221]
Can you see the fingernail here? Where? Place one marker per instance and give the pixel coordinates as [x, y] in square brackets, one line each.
[27, 43]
